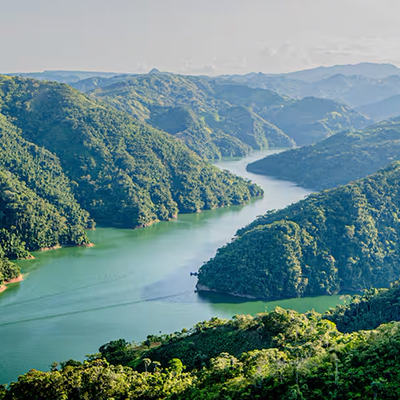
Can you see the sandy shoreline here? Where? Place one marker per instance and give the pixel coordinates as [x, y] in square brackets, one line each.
[3, 287]
[66, 245]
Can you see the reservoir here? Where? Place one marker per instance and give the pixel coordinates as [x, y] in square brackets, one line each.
[132, 283]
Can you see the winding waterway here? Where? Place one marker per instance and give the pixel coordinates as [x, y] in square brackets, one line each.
[131, 284]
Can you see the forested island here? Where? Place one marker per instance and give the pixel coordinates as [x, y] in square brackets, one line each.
[281, 354]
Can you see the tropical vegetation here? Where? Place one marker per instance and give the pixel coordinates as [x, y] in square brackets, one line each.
[282, 355]
[339, 240]
[337, 160]
[216, 118]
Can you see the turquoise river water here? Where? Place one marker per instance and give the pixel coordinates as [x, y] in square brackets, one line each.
[130, 284]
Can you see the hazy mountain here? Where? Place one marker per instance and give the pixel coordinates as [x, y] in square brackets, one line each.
[384, 109]
[353, 90]
[312, 119]
[63, 76]
[215, 118]
[369, 70]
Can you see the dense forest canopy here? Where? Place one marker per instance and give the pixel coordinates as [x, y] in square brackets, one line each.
[120, 170]
[37, 207]
[339, 159]
[281, 354]
[66, 160]
[216, 118]
[338, 240]
[368, 311]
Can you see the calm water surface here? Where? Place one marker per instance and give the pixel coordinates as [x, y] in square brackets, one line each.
[131, 284]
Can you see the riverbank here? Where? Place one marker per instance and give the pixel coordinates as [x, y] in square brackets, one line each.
[3, 287]
[139, 272]
[56, 247]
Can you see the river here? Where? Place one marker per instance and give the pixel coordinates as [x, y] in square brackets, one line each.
[130, 284]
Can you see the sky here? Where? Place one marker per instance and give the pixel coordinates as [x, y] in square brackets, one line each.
[209, 37]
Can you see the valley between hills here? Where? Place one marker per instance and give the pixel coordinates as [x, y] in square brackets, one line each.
[281, 192]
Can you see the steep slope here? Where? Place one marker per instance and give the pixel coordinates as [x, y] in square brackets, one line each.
[373, 308]
[215, 118]
[313, 119]
[121, 171]
[195, 109]
[337, 160]
[37, 207]
[305, 358]
[338, 240]
[32, 178]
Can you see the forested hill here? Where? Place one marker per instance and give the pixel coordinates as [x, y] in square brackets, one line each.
[373, 308]
[343, 239]
[277, 355]
[120, 170]
[339, 159]
[37, 207]
[214, 120]
[217, 119]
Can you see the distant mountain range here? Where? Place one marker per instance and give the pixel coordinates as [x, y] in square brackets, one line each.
[62, 76]
[361, 86]
[217, 118]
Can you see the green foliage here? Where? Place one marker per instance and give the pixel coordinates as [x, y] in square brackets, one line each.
[343, 239]
[8, 270]
[121, 171]
[214, 120]
[37, 207]
[368, 311]
[305, 357]
[341, 158]
[312, 119]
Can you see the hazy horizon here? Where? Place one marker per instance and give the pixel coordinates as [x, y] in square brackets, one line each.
[208, 37]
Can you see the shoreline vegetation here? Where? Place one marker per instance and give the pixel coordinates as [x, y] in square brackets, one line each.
[3, 286]
[58, 246]
[338, 240]
[278, 354]
[20, 278]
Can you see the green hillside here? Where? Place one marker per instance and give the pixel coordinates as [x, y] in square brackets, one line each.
[120, 170]
[342, 158]
[312, 119]
[216, 118]
[368, 311]
[37, 207]
[303, 357]
[340, 240]
[213, 120]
